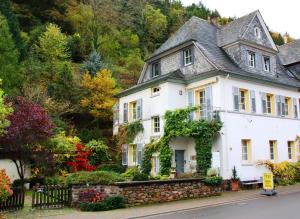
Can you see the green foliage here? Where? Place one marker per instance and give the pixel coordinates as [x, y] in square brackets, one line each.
[140, 177]
[86, 177]
[4, 112]
[178, 123]
[89, 134]
[93, 64]
[99, 152]
[130, 173]
[147, 155]
[113, 202]
[234, 174]
[213, 180]
[133, 129]
[112, 168]
[9, 60]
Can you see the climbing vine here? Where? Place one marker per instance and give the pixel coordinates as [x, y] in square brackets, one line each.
[128, 132]
[149, 150]
[178, 123]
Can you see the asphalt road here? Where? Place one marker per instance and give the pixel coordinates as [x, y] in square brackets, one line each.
[285, 206]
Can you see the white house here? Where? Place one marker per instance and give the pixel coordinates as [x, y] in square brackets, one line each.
[235, 70]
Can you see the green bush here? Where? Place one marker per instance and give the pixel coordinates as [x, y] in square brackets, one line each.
[85, 177]
[140, 177]
[112, 168]
[213, 180]
[113, 202]
[130, 173]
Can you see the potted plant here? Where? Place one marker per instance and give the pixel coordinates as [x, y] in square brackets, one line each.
[234, 180]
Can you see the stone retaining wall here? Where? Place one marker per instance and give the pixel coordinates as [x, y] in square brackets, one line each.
[146, 192]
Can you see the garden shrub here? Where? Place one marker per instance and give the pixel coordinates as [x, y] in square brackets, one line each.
[98, 152]
[130, 172]
[113, 202]
[140, 177]
[213, 180]
[5, 190]
[85, 177]
[112, 167]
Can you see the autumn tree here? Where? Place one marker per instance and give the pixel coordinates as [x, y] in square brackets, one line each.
[30, 126]
[99, 94]
[5, 111]
[9, 66]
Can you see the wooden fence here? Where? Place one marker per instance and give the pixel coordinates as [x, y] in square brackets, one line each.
[51, 196]
[15, 202]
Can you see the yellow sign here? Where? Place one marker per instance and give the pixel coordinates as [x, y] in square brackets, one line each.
[268, 183]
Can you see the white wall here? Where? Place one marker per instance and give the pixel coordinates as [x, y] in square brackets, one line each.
[258, 127]
[11, 169]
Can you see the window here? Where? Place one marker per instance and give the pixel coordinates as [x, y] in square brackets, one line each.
[291, 150]
[273, 150]
[295, 108]
[266, 63]
[155, 91]
[125, 154]
[246, 150]
[133, 150]
[202, 104]
[251, 59]
[287, 106]
[187, 57]
[155, 69]
[268, 103]
[132, 111]
[156, 124]
[241, 99]
[257, 32]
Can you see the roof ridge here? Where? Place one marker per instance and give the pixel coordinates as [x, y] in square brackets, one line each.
[238, 19]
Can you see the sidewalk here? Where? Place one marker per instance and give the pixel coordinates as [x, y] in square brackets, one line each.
[148, 210]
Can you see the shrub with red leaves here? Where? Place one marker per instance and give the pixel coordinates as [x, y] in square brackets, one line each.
[81, 162]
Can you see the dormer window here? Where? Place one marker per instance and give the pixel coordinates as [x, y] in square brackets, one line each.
[155, 69]
[187, 57]
[266, 63]
[257, 32]
[251, 59]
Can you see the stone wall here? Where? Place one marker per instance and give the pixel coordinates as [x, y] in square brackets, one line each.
[146, 192]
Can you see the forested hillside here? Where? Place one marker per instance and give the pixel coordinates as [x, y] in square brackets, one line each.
[72, 56]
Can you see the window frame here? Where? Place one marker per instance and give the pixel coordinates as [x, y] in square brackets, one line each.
[251, 62]
[156, 125]
[274, 152]
[155, 65]
[187, 58]
[246, 146]
[268, 69]
[290, 150]
[257, 32]
[132, 111]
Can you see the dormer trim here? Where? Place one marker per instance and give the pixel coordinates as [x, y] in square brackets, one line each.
[251, 44]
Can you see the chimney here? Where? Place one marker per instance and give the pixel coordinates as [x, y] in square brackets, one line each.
[213, 20]
[285, 38]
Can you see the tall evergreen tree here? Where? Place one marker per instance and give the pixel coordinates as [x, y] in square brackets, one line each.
[9, 58]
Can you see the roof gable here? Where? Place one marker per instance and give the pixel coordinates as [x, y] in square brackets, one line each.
[243, 29]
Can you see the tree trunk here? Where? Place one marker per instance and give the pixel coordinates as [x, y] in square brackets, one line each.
[20, 168]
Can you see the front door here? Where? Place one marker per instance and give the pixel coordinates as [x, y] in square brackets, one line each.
[179, 159]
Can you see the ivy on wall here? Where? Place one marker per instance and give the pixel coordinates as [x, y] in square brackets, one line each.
[128, 132]
[179, 124]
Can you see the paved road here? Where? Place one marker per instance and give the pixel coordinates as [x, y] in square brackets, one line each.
[285, 206]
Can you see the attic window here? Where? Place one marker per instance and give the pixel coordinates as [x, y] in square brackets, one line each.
[251, 59]
[257, 32]
[155, 69]
[266, 63]
[187, 57]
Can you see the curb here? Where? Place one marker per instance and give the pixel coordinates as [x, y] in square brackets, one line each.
[247, 198]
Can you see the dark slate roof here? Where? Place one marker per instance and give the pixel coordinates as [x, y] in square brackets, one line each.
[233, 31]
[207, 38]
[290, 53]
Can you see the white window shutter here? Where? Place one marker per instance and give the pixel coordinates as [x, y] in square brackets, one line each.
[125, 154]
[208, 100]
[278, 105]
[139, 107]
[263, 102]
[125, 112]
[236, 98]
[253, 101]
[295, 108]
[139, 152]
[191, 102]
